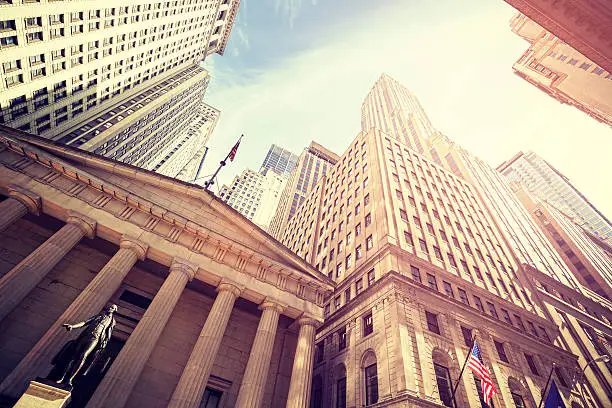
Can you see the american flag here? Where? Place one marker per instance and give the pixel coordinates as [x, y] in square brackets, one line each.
[477, 366]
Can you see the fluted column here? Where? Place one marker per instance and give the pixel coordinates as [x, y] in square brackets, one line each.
[117, 384]
[18, 204]
[256, 372]
[91, 300]
[301, 375]
[190, 389]
[19, 281]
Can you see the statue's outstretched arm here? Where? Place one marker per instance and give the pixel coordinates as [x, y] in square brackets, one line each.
[78, 325]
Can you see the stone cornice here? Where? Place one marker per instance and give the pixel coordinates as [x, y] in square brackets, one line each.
[109, 197]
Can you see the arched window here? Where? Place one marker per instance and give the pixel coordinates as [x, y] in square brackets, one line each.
[442, 362]
[370, 375]
[316, 400]
[340, 377]
[519, 393]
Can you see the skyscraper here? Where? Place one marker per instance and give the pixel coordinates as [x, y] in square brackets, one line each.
[404, 233]
[72, 74]
[314, 162]
[562, 72]
[281, 160]
[392, 108]
[549, 184]
[255, 195]
[420, 267]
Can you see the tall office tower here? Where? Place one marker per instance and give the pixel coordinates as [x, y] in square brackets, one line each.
[255, 195]
[420, 267]
[314, 163]
[562, 72]
[188, 148]
[549, 184]
[281, 160]
[392, 108]
[589, 257]
[69, 70]
[523, 234]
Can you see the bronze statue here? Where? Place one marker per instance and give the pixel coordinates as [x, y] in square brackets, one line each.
[85, 350]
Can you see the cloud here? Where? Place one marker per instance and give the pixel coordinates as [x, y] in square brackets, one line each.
[290, 9]
[462, 77]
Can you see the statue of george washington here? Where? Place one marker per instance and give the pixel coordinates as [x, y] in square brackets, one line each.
[83, 352]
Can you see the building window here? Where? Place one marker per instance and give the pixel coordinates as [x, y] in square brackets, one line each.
[492, 310]
[320, 351]
[478, 304]
[423, 246]
[467, 336]
[358, 252]
[347, 294]
[368, 324]
[448, 289]
[416, 273]
[368, 219]
[531, 363]
[463, 296]
[431, 281]
[432, 322]
[371, 277]
[560, 377]
[437, 252]
[369, 243]
[501, 352]
[342, 339]
[341, 393]
[518, 400]
[358, 286]
[444, 385]
[371, 385]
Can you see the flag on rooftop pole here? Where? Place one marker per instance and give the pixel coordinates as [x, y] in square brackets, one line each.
[229, 156]
[234, 150]
[554, 399]
[477, 366]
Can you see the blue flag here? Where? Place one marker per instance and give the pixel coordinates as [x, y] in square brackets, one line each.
[554, 399]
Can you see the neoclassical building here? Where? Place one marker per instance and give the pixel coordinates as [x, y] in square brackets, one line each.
[213, 312]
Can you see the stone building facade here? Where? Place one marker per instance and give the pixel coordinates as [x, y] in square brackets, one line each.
[79, 231]
[420, 267]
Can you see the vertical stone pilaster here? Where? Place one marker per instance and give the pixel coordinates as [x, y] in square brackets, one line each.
[190, 389]
[89, 302]
[256, 372]
[119, 381]
[19, 281]
[303, 362]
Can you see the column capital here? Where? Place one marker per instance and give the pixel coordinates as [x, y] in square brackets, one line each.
[182, 265]
[31, 200]
[230, 286]
[306, 320]
[139, 247]
[87, 224]
[270, 303]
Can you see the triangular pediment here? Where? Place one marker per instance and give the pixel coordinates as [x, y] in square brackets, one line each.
[195, 207]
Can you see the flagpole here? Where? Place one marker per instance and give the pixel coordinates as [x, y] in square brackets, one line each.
[463, 369]
[221, 164]
[546, 386]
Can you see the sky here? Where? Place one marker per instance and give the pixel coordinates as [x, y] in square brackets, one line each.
[295, 71]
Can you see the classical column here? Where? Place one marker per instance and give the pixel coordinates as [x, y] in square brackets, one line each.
[191, 386]
[19, 281]
[90, 301]
[117, 384]
[18, 204]
[301, 375]
[256, 372]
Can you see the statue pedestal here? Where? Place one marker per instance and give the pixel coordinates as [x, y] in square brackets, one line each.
[42, 395]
